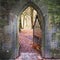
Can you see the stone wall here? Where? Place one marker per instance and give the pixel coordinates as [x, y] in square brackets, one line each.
[5, 42]
[9, 45]
[10, 35]
[42, 10]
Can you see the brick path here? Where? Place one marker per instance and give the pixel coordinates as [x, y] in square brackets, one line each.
[26, 51]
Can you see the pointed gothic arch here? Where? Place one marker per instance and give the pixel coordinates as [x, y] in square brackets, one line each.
[42, 14]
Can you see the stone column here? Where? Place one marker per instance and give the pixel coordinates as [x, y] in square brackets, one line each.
[13, 36]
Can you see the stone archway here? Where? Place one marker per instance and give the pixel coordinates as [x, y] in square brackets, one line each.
[16, 11]
[40, 15]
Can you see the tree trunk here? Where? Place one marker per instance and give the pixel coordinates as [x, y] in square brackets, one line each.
[31, 16]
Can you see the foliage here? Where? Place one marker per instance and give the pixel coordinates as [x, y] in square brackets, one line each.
[53, 9]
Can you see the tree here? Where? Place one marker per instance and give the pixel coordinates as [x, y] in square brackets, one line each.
[31, 16]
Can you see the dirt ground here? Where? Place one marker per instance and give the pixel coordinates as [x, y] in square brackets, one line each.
[27, 52]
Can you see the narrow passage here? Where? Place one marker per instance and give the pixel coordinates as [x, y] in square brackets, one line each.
[27, 52]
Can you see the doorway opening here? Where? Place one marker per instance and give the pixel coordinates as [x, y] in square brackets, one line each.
[30, 34]
[26, 29]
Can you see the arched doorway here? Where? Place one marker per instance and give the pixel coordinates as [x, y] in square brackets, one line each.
[42, 15]
[29, 22]
[37, 23]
